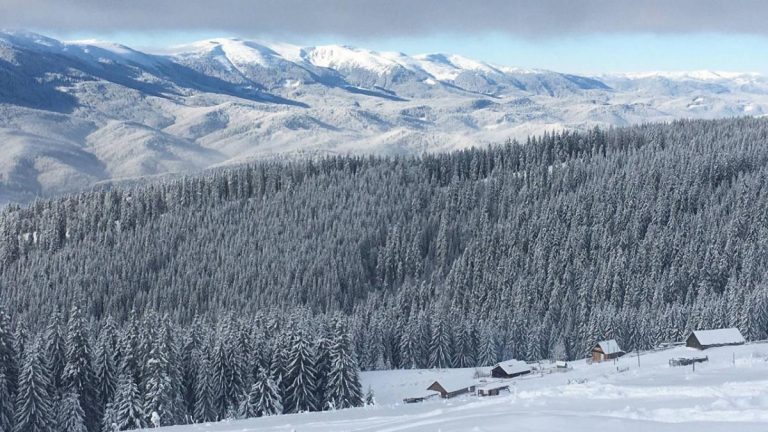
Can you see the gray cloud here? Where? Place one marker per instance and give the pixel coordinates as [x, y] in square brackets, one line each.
[375, 18]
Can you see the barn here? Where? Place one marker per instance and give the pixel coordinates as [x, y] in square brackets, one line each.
[510, 369]
[448, 388]
[703, 339]
[606, 350]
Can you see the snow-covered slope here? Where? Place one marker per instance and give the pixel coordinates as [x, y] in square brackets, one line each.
[76, 113]
[729, 392]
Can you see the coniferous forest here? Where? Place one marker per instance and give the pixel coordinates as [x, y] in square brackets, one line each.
[262, 289]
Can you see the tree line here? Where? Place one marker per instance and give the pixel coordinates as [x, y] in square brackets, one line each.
[78, 375]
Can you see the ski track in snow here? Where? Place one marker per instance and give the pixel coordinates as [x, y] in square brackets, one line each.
[718, 396]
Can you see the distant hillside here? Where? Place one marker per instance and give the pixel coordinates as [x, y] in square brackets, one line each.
[77, 113]
[638, 234]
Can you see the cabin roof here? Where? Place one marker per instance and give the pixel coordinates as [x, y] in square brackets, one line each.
[719, 336]
[512, 367]
[609, 347]
[451, 384]
[493, 385]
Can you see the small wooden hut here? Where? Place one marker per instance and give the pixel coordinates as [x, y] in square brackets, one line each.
[450, 388]
[606, 350]
[510, 369]
[492, 389]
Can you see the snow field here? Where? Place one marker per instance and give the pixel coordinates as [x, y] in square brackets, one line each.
[729, 392]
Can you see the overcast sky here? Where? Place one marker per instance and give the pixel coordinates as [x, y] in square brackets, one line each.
[577, 36]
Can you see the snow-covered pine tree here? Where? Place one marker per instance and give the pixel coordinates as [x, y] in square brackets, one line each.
[105, 366]
[464, 355]
[9, 360]
[370, 399]
[34, 411]
[487, 353]
[6, 406]
[322, 369]
[20, 339]
[127, 407]
[269, 400]
[56, 354]
[220, 372]
[158, 393]
[344, 390]
[78, 373]
[205, 406]
[70, 415]
[410, 352]
[300, 375]
[440, 346]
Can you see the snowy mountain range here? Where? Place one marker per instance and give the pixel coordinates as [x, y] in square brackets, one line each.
[73, 114]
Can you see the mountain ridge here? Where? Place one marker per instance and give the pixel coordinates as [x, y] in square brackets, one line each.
[75, 113]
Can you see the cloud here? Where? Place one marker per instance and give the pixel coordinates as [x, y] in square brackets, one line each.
[391, 18]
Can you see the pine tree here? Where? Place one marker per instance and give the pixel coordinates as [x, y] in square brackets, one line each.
[370, 399]
[205, 405]
[55, 352]
[34, 412]
[105, 369]
[9, 360]
[300, 376]
[487, 354]
[158, 393]
[262, 399]
[78, 376]
[70, 414]
[127, 410]
[322, 370]
[344, 390]
[440, 346]
[6, 406]
[269, 401]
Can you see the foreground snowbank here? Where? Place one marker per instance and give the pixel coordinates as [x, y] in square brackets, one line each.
[729, 392]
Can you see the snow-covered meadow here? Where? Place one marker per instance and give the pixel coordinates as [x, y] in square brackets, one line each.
[729, 392]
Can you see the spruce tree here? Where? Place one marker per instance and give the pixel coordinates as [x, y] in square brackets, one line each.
[127, 407]
[205, 404]
[6, 406]
[440, 346]
[158, 392]
[9, 360]
[78, 376]
[344, 390]
[104, 367]
[34, 411]
[300, 375]
[269, 401]
[70, 414]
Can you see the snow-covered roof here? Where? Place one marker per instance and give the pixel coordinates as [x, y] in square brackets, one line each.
[512, 367]
[609, 347]
[493, 385]
[452, 383]
[719, 336]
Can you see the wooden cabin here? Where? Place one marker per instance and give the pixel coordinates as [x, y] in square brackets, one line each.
[606, 350]
[703, 339]
[492, 389]
[510, 369]
[448, 389]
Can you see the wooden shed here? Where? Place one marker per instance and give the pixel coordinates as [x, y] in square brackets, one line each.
[606, 350]
[449, 388]
[703, 339]
[492, 389]
[510, 369]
